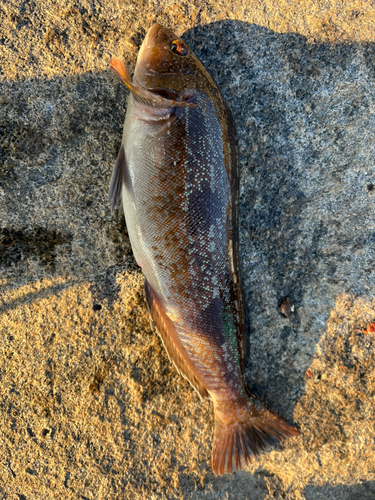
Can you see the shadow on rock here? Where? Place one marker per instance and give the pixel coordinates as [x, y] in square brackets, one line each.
[306, 142]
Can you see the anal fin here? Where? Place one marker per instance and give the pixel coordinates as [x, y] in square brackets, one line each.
[168, 333]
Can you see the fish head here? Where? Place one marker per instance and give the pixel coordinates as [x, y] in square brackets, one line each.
[167, 66]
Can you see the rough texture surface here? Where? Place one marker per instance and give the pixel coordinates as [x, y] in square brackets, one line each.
[90, 406]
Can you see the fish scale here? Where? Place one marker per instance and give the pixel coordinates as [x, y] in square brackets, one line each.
[177, 175]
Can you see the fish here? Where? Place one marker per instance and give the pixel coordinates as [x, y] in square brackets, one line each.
[177, 174]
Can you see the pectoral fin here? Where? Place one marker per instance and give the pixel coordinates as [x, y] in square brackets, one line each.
[120, 177]
[168, 333]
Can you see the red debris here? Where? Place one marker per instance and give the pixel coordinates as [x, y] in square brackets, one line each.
[370, 328]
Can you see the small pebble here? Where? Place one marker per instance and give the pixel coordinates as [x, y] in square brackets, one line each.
[286, 307]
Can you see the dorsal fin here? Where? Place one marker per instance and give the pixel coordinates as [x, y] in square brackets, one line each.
[143, 95]
[168, 334]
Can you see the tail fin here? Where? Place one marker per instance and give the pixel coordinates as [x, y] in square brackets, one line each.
[244, 430]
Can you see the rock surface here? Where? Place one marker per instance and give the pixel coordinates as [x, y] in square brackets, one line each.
[90, 406]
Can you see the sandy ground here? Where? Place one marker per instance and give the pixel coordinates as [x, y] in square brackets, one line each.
[90, 406]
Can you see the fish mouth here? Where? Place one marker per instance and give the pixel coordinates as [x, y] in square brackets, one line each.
[187, 96]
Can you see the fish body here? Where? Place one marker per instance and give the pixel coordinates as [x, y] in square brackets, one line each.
[177, 175]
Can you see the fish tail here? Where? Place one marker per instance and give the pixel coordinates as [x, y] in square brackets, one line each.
[244, 430]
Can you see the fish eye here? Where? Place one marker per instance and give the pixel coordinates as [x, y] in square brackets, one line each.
[178, 48]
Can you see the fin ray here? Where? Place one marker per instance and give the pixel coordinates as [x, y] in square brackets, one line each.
[117, 179]
[236, 442]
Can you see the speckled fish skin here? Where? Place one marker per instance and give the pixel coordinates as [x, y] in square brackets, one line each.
[178, 177]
